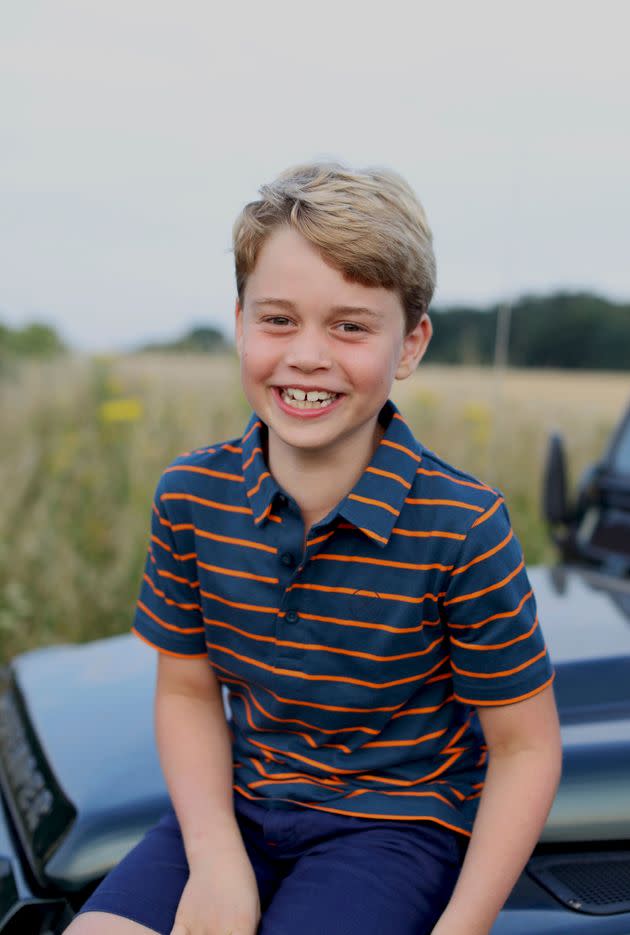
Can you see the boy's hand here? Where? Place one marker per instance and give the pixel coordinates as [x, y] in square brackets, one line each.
[220, 898]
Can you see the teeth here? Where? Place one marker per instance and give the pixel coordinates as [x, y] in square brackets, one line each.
[312, 395]
[313, 399]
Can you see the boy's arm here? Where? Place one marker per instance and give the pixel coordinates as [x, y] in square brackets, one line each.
[195, 752]
[196, 755]
[523, 773]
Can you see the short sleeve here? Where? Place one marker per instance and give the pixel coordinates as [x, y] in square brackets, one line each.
[498, 653]
[168, 612]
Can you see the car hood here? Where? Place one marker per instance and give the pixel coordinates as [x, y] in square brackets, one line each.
[584, 614]
[89, 711]
[89, 735]
[585, 617]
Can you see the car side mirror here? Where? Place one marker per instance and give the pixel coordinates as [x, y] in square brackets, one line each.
[555, 504]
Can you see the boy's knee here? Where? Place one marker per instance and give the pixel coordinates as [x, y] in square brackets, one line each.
[104, 923]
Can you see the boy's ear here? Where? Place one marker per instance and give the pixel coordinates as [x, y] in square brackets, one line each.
[238, 326]
[414, 345]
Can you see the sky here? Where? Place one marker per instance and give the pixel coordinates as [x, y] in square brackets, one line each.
[133, 131]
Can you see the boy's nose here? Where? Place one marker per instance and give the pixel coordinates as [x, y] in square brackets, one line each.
[309, 351]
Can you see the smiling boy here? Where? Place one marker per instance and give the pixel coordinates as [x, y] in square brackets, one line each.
[365, 604]
[304, 329]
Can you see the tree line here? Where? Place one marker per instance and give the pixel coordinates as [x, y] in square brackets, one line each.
[564, 330]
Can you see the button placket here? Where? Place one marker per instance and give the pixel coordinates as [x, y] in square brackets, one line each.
[290, 567]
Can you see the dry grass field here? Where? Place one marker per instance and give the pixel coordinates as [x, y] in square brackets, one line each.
[84, 441]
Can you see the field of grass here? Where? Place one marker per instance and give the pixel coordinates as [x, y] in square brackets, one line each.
[84, 441]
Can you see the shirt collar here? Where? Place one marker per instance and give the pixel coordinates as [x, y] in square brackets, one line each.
[376, 500]
[261, 487]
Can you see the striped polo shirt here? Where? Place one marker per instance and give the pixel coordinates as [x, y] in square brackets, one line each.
[354, 663]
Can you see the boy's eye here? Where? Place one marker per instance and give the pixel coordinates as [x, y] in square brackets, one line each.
[351, 327]
[276, 320]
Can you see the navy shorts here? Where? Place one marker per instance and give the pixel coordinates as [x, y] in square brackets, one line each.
[316, 872]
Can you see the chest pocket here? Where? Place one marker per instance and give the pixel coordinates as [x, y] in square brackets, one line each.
[369, 606]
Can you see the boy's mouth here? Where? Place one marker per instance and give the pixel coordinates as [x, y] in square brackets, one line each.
[306, 399]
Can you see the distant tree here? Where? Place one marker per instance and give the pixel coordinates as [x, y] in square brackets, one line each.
[5, 337]
[203, 339]
[38, 340]
[462, 335]
[33, 340]
[580, 331]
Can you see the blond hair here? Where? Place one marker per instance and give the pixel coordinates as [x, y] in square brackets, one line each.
[368, 224]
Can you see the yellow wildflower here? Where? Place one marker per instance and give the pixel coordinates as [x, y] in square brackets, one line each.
[121, 410]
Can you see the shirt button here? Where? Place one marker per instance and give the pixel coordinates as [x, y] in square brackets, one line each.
[287, 559]
[292, 616]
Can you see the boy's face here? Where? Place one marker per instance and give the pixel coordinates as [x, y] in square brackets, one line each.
[302, 329]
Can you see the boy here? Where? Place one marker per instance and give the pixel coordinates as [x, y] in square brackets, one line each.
[360, 599]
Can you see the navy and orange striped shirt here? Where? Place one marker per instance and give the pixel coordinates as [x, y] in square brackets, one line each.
[353, 666]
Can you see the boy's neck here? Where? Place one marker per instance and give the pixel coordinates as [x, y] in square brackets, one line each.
[319, 480]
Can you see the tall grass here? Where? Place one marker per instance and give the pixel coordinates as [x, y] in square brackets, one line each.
[84, 441]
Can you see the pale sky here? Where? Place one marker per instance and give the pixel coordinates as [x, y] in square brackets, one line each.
[132, 131]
